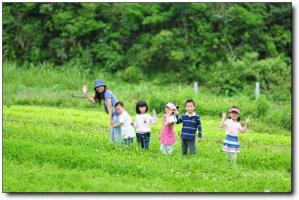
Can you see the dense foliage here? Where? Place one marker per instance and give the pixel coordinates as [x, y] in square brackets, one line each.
[226, 46]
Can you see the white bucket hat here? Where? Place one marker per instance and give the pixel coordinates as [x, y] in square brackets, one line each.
[171, 106]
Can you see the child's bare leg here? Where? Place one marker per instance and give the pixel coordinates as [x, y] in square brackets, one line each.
[228, 155]
[163, 148]
[170, 149]
[234, 155]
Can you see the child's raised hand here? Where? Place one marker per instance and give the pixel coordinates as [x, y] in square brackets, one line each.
[247, 120]
[154, 112]
[224, 115]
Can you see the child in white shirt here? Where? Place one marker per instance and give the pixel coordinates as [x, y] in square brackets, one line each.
[143, 124]
[125, 124]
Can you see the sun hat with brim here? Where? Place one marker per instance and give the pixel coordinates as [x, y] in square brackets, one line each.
[98, 83]
[235, 110]
[171, 106]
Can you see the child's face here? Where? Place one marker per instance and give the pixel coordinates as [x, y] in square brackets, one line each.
[142, 109]
[168, 110]
[234, 115]
[190, 107]
[119, 109]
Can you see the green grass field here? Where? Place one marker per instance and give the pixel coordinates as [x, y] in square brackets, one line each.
[48, 149]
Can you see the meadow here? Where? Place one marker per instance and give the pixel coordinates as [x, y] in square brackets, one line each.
[49, 149]
[55, 143]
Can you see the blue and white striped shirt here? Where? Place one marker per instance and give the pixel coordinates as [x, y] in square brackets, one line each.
[190, 124]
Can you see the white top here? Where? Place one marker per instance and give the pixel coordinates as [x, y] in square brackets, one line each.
[193, 114]
[127, 130]
[232, 127]
[170, 119]
[143, 122]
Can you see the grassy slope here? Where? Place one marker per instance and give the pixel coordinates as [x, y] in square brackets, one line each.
[45, 86]
[63, 150]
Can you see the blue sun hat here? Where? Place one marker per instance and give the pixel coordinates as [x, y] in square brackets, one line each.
[98, 83]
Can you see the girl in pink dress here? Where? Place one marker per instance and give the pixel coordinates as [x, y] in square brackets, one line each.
[167, 136]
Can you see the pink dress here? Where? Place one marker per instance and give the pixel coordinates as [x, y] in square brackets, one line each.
[167, 133]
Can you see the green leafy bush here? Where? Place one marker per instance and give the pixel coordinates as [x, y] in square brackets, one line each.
[132, 74]
[262, 106]
[280, 116]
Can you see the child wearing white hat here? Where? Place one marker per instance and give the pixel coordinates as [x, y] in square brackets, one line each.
[167, 136]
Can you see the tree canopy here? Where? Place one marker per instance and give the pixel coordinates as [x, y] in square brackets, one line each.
[225, 46]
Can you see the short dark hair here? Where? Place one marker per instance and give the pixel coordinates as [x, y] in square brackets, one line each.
[119, 103]
[189, 101]
[141, 103]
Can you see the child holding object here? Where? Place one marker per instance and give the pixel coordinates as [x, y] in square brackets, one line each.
[143, 124]
[167, 136]
[125, 124]
[231, 143]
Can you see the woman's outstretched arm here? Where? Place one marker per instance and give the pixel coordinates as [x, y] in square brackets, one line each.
[109, 108]
[85, 93]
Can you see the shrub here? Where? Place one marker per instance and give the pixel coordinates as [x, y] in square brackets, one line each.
[262, 106]
[157, 103]
[280, 116]
[131, 74]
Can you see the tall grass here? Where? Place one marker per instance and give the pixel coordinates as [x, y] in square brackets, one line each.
[46, 85]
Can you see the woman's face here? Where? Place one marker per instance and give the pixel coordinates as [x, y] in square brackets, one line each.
[234, 115]
[100, 89]
[142, 109]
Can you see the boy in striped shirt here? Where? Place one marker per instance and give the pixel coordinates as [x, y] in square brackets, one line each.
[191, 122]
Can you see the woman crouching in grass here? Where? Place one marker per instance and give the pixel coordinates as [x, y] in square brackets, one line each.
[102, 93]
